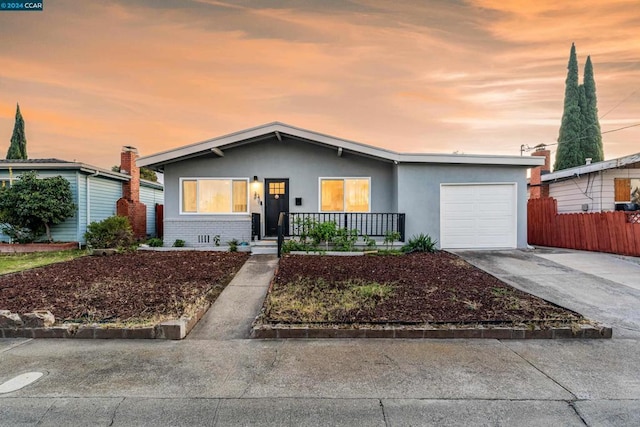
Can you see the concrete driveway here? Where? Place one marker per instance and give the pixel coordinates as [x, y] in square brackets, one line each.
[602, 287]
[235, 381]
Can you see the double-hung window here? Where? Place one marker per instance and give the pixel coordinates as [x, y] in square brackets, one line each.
[214, 195]
[345, 194]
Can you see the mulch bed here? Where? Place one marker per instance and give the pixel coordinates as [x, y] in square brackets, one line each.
[123, 288]
[427, 288]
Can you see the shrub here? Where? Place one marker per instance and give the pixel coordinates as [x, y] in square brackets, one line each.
[179, 243]
[233, 245]
[293, 245]
[390, 237]
[112, 232]
[19, 234]
[420, 243]
[369, 242]
[345, 240]
[155, 242]
[323, 232]
[36, 204]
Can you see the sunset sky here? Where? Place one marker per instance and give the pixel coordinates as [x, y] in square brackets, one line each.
[476, 76]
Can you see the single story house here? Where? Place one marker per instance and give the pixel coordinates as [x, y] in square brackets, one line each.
[96, 192]
[593, 187]
[223, 186]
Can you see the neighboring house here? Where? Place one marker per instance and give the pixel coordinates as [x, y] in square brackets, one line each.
[594, 187]
[214, 188]
[96, 192]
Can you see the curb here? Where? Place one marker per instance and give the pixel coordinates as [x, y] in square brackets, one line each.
[371, 331]
[168, 330]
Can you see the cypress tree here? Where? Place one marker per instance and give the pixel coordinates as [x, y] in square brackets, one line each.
[591, 134]
[18, 147]
[569, 152]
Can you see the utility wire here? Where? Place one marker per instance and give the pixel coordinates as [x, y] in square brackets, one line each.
[527, 148]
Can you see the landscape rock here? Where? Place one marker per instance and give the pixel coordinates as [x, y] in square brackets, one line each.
[9, 319]
[38, 319]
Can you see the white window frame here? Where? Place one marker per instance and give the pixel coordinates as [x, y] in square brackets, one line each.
[344, 204]
[198, 179]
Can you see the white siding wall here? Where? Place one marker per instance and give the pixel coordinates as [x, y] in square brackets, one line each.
[596, 190]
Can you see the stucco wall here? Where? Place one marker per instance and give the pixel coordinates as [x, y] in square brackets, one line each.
[301, 162]
[419, 193]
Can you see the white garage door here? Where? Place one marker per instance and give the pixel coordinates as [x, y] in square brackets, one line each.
[478, 216]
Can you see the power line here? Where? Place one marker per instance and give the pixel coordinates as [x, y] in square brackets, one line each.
[616, 106]
[527, 148]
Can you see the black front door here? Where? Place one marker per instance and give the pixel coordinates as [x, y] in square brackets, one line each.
[276, 201]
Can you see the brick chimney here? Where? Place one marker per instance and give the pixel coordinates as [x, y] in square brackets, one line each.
[129, 204]
[537, 189]
[130, 190]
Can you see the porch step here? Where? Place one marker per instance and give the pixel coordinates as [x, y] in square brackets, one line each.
[261, 247]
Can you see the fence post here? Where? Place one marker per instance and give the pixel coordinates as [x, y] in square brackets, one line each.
[280, 233]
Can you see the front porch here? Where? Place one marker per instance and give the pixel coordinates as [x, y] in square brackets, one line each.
[363, 225]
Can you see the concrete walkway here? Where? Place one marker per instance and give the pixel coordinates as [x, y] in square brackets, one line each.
[367, 382]
[231, 315]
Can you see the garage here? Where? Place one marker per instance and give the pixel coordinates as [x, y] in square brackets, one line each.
[478, 216]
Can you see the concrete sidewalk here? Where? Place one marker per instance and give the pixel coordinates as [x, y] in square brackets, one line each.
[360, 382]
[231, 315]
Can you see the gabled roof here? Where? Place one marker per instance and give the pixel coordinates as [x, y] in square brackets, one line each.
[278, 130]
[631, 161]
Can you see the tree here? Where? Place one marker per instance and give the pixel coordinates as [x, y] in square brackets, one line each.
[18, 147]
[591, 134]
[36, 204]
[145, 173]
[569, 152]
[580, 136]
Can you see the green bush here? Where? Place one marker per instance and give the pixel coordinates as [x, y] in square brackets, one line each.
[155, 242]
[19, 234]
[323, 232]
[233, 245]
[294, 245]
[35, 204]
[179, 243]
[345, 240]
[390, 237]
[420, 243]
[370, 242]
[112, 232]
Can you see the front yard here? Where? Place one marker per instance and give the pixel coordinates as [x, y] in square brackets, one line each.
[416, 288]
[130, 288]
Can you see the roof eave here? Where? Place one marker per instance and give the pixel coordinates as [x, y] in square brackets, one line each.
[277, 129]
[593, 167]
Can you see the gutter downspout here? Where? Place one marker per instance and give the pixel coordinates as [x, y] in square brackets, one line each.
[96, 173]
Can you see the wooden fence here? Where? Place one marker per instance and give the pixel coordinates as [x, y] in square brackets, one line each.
[614, 232]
